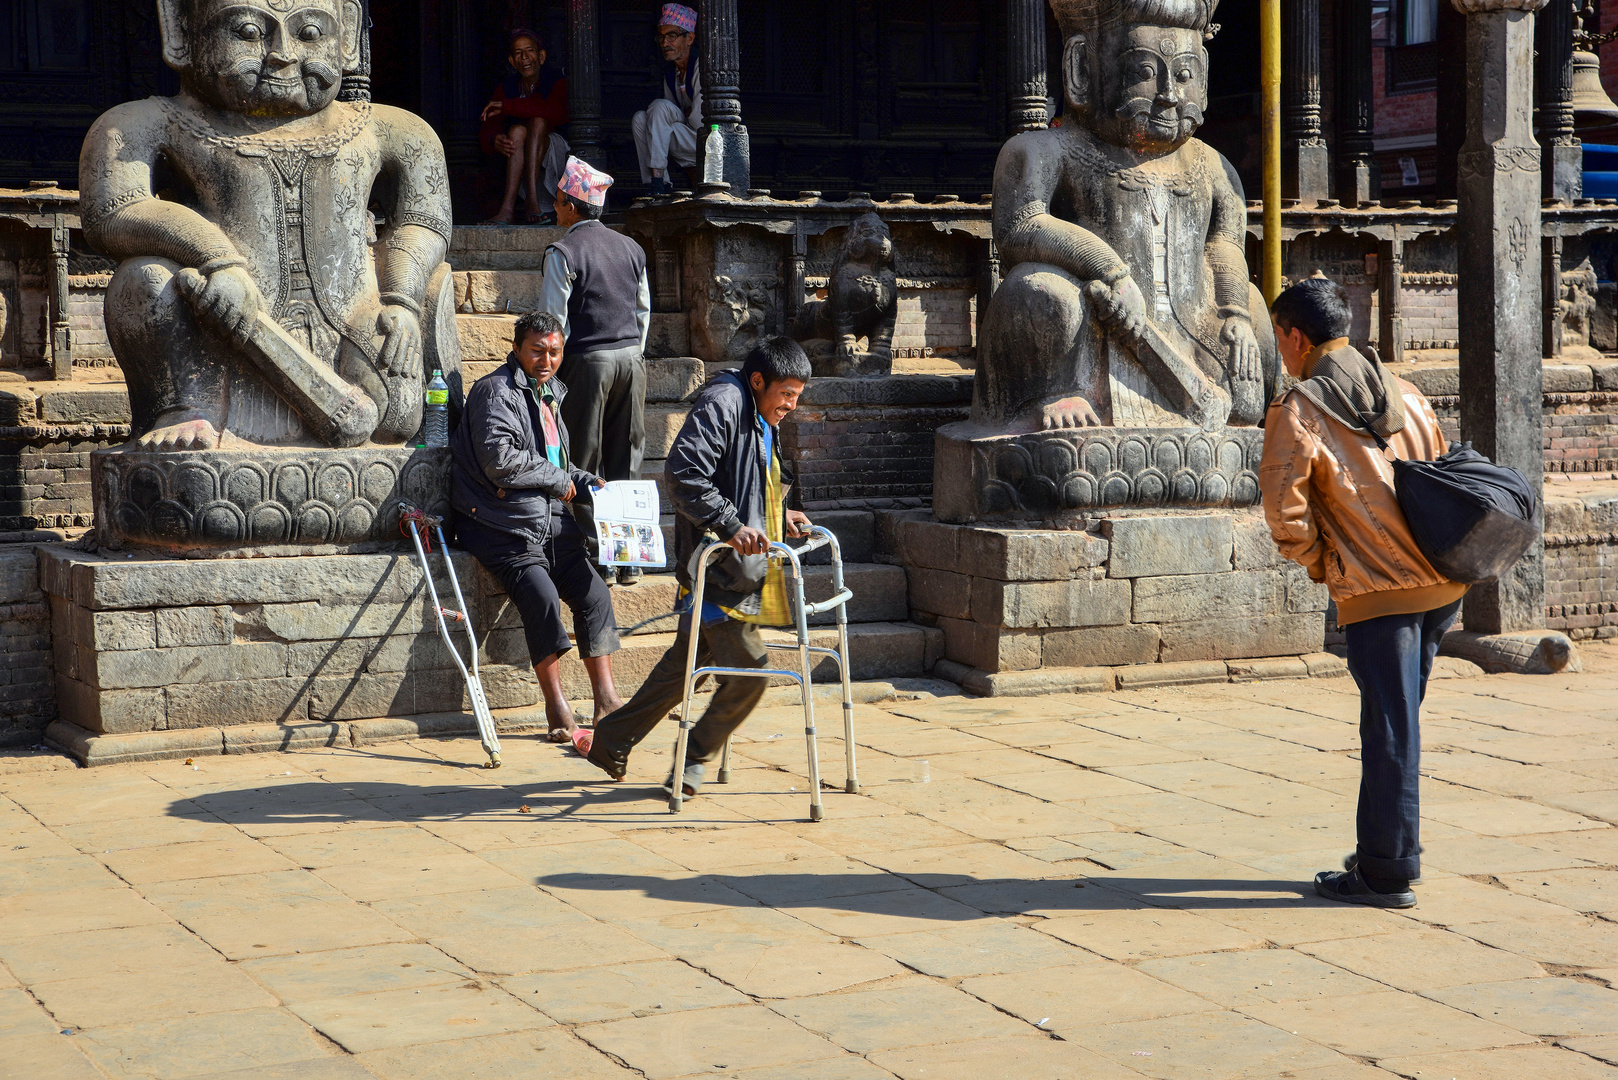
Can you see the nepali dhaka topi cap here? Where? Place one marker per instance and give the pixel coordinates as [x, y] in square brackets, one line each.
[584, 183]
[678, 15]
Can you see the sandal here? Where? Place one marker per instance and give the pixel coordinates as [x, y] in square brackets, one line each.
[690, 781]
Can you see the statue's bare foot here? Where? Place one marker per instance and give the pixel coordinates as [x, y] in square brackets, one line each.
[190, 433]
[1070, 412]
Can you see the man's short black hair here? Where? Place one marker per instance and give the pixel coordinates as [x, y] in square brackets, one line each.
[1316, 305]
[542, 323]
[587, 211]
[777, 358]
[532, 35]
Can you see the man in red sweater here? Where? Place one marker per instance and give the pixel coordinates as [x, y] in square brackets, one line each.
[520, 122]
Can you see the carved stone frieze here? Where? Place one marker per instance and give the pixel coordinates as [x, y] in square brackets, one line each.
[209, 500]
[1057, 473]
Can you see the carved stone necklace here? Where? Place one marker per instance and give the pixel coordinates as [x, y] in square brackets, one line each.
[258, 145]
[1136, 178]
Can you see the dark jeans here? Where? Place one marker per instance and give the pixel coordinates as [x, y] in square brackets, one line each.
[726, 643]
[539, 579]
[605, 414]
[1390, 658]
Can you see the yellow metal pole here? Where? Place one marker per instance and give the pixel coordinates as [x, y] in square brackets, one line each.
[1269, 52]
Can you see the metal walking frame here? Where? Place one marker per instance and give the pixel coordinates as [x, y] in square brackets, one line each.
[819, 538]
[416, 523]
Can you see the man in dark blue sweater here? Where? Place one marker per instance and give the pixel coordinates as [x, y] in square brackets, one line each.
[595, 282]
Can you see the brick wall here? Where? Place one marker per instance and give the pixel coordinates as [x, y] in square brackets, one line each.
[27, 690]
[864, 443]
[45, 476]
[1581, 430]
[935, 322]
[1581, 562]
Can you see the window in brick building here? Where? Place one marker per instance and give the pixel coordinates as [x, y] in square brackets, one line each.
[1410, 30]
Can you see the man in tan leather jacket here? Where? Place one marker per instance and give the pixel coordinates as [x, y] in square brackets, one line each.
[1330, 502]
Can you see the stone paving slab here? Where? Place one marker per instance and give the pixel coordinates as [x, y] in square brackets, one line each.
[1102, 886]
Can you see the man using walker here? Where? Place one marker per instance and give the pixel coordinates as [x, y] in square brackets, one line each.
[726, 479]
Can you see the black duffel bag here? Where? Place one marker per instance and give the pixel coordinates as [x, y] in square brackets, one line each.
[1473, 519]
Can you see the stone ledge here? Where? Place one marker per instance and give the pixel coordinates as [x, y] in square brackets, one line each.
[1078, 680]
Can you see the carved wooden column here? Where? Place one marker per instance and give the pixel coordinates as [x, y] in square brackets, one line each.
[584, 79]
[1358, 179]
[1390, 335]
[719, 33]
[1451, 96]
[1562, 168]
[357, 83]
[461, 146]
[1025, 66]
[1304, 167]
[1499, 291]
[61, 330]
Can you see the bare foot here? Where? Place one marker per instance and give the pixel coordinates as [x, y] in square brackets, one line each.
[195, 433]
[606, 708]
[1070, 412]
[559, 720]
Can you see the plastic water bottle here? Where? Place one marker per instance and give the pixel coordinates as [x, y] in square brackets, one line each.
[713, 157]
[435, 414]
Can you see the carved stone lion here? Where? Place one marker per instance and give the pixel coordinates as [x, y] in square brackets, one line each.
[861, 301]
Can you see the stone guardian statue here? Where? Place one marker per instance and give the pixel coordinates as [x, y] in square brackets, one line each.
[1126, 300]
[255, 303]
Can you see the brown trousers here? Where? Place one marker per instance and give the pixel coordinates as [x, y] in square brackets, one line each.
[727, 643]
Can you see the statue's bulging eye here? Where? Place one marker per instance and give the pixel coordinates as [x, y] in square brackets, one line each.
[311, 32]
[1185, 75]
[250, 32]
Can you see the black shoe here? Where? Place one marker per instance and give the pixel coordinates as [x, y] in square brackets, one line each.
[628, 575]
[608, 573]
[660, 187]
[1351, 888]
[1352, 859]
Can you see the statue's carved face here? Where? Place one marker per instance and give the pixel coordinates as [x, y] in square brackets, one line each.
[276, 58]
[1145, 86]
[868, 241]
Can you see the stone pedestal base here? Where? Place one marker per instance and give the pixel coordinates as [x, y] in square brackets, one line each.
[263, 501]
[1055, 474]
[1196, 597]
[252, 653]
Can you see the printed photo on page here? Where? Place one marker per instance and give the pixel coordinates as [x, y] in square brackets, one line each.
[627, 513]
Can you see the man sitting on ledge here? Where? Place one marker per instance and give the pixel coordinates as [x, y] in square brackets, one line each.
[521, 122]
[511, 485]
[668, 127]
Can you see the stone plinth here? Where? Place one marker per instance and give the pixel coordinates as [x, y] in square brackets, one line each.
[213, 502]
[1048, 474]
[149, 645]
[1120, 599]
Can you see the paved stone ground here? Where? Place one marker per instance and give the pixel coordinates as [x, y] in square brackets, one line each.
[1040, 889]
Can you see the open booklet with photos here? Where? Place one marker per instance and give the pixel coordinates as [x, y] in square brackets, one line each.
[626, 513]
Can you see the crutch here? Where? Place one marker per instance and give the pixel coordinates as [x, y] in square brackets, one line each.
[417, 522]
[819, 537]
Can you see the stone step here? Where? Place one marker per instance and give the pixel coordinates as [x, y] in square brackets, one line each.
[879, 596]
[878, 650]
[502, 247]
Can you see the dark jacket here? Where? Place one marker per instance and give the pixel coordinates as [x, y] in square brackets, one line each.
[717, 476]
[501, 475]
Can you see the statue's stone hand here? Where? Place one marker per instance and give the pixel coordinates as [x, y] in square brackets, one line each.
[1244, 363]
[225, 302]
[1121, 307]
[1068, 412]
[401, 345]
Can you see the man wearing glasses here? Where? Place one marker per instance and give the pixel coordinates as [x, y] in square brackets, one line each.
[668, 127]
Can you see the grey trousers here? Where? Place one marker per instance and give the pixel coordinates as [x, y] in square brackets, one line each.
[727, 643]
[662, 132]
[605, 414]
